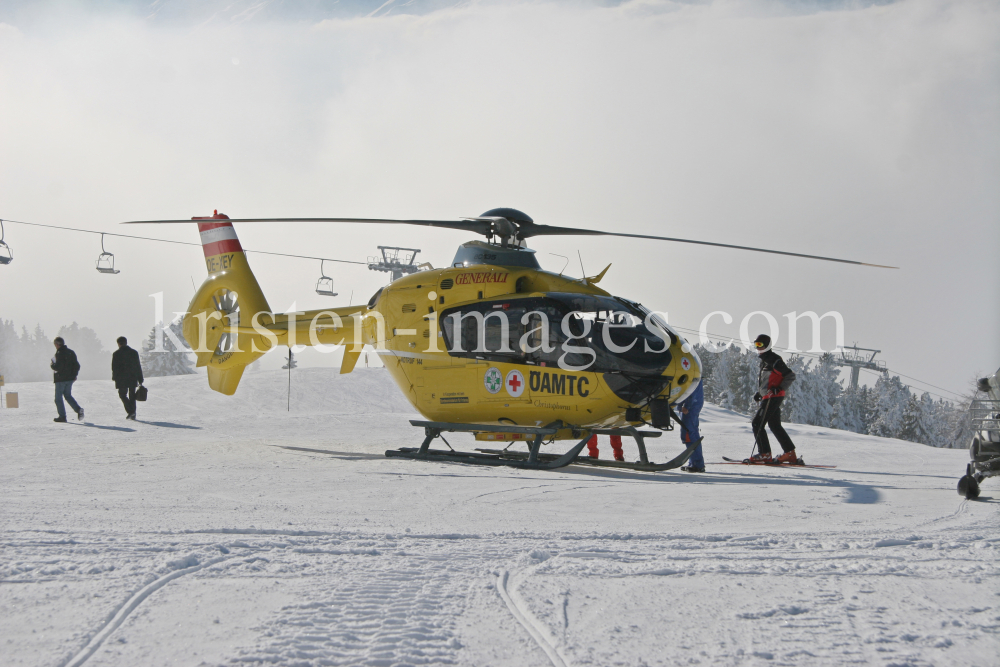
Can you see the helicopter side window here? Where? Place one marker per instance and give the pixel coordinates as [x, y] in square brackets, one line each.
[483, 331]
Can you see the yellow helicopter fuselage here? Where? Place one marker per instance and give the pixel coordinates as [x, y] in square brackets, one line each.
[229, 325]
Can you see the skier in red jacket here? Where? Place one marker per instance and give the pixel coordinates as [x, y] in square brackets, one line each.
[773, 379]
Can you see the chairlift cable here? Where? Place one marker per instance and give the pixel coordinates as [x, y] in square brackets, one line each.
[148, 238]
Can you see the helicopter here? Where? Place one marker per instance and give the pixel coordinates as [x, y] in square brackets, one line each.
[491, 345]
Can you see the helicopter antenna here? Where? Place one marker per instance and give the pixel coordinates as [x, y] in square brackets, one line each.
[564, 265]
[582, 270]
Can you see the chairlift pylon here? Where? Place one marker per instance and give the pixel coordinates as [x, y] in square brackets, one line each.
[106, 260]
[324, 286]
[6, 256]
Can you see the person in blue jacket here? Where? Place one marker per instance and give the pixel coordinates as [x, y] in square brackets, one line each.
[690, 409]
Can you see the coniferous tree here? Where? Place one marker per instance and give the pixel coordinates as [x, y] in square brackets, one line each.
[709, 362]
[170, 360]
[890, 399]
[957, 431]
[743, 381]
[913, 427]
[10, 358]
[36, 353]
[721, 379]
[850, 411]
[799, 398]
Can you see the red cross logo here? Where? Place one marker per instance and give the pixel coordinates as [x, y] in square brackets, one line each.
[515, 383]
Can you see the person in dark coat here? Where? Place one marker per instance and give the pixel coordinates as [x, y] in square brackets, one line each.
[773, 379]
[126, 371]
[65, 368]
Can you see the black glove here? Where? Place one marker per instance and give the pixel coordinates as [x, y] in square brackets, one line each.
[757, 397]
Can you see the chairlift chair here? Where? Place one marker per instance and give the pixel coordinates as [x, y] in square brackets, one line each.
[6, 256]
[324, 286]
[106, 261]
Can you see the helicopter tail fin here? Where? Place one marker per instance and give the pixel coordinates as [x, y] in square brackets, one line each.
[229, 297]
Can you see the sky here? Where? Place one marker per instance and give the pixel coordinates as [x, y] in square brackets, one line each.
[867, 131]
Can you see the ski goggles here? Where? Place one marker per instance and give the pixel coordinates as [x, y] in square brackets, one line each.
[760, 345]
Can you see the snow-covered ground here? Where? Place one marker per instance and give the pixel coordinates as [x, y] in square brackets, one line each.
[227, 530]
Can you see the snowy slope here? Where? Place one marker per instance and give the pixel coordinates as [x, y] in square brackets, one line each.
[227, 530]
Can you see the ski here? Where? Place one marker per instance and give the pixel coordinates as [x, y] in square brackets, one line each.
[773, 465]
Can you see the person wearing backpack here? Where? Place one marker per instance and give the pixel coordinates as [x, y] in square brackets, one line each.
[773, 379]
[65, 368]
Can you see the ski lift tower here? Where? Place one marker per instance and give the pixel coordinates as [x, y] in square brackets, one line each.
[857, 358]
[398, 262]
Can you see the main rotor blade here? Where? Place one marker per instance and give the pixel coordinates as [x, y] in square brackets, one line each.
[548, 230]
[483, 226]
[475, 226]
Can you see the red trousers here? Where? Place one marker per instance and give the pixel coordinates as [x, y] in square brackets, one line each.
[616, 447]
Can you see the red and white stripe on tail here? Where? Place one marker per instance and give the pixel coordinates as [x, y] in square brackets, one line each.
[218, 238]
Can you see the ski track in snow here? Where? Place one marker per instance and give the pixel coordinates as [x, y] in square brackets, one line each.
[376, 599]
[281, 539]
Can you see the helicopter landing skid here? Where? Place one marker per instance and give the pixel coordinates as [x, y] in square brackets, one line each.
[532, 459]
[433, 430]
[676, 462]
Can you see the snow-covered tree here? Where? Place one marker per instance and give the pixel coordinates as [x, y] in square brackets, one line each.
[890, 399]
[170, 360]
[813, 396]
[956, 423]
[709, 363]
[850, 411]
[918, 420]
[730, 377]
[290, 361]
[743, 380]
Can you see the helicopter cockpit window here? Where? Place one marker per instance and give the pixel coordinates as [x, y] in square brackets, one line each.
[616, 334]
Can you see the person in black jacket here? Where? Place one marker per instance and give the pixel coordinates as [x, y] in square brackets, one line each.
[65, 368]
[126, 371]
[773, 379]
